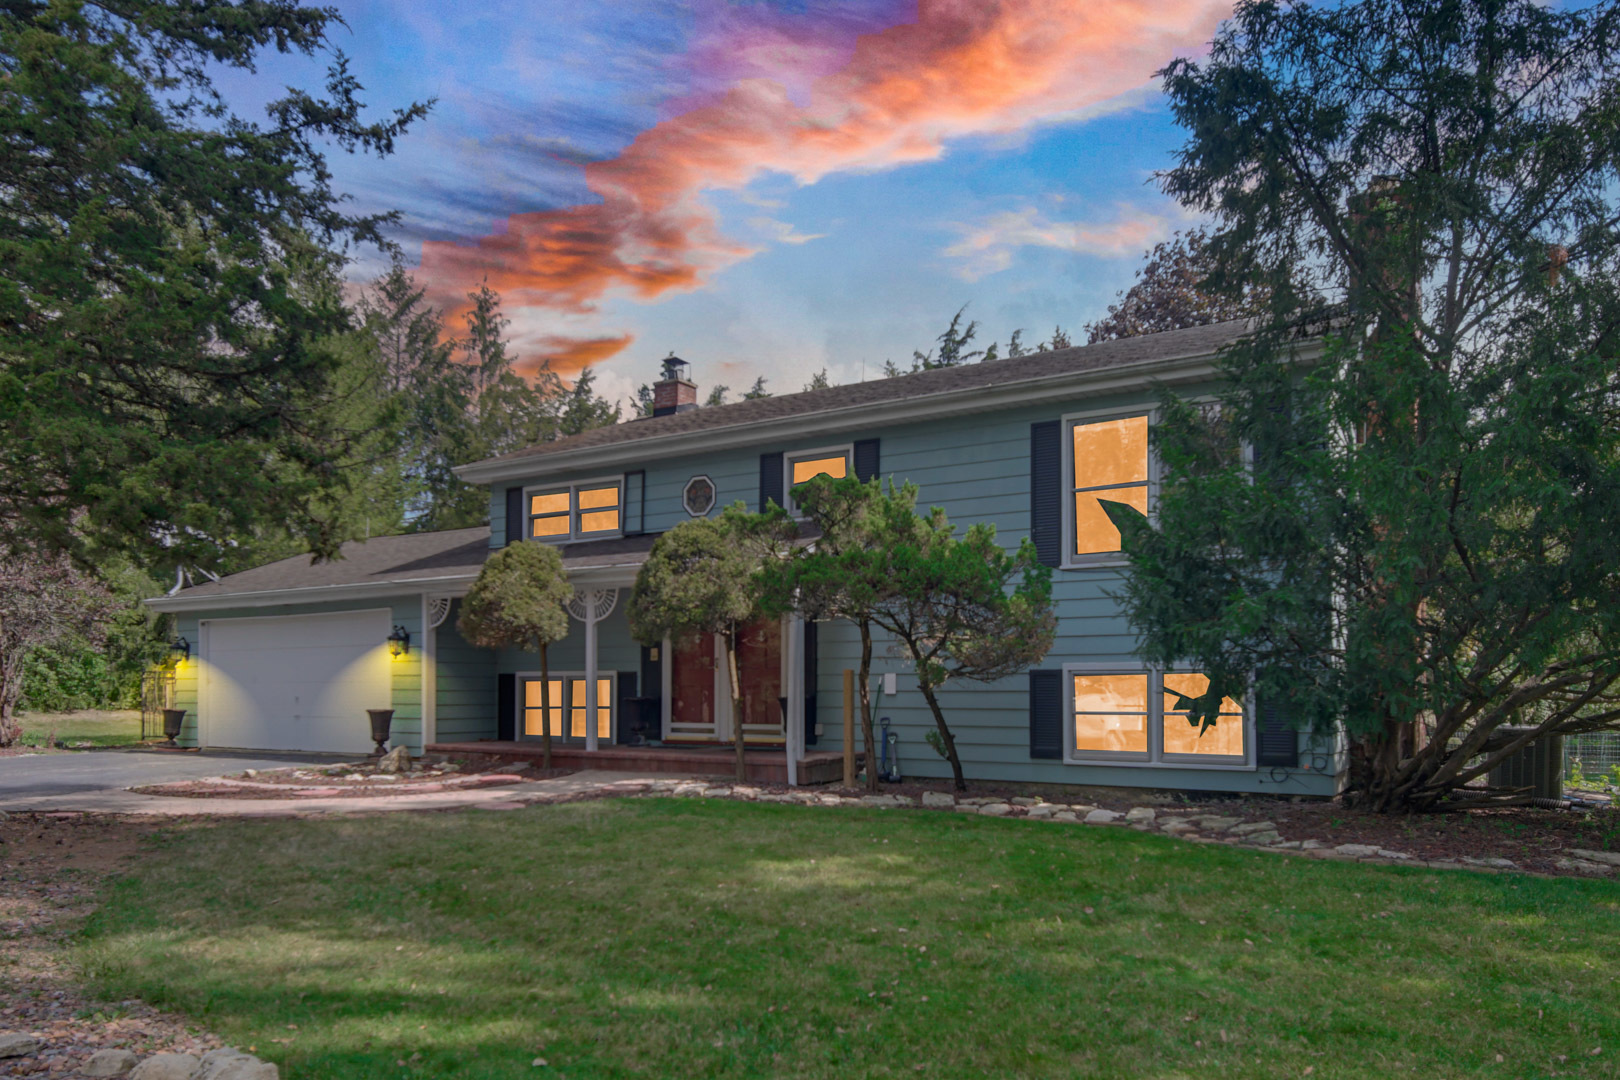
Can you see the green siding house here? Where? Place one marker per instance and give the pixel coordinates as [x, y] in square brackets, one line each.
[289, 656]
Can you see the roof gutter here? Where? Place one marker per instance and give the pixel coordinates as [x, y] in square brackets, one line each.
[961, 402]
[364, 590]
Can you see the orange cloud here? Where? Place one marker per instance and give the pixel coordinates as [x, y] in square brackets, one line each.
[965, 67]
[568, 355]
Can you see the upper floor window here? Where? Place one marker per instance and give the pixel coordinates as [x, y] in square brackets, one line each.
[576, 512]
[1109, 460]
[814, 463]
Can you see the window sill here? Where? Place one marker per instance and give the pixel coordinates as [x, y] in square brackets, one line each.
[1199, 766]
[1111, 562]
[555, 541]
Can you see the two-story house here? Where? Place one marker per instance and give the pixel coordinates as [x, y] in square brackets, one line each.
[290, 655]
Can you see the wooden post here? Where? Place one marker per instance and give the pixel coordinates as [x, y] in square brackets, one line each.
[849, 727]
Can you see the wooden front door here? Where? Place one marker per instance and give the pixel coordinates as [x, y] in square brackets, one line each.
[699, 710]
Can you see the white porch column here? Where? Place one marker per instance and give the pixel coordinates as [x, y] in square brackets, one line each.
[590, 671]
[795, 699]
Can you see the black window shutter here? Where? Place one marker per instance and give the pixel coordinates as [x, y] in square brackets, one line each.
[624, 709]
[506, 707]
[1045, 490]
[514, 515]
[1046, 714]
[635, 503]
[770, 480]
[1278, 743]
[809, 683]
[866, 459]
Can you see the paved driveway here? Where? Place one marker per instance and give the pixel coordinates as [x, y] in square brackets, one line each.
[46, 781]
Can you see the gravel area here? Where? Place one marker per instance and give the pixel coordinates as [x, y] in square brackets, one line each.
[350, 779]
[51, 866]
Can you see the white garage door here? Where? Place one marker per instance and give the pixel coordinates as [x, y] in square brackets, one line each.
[299, 682]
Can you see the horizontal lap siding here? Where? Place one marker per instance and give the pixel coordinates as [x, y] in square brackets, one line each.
[465, 690]
[977, 469]
[615, 649]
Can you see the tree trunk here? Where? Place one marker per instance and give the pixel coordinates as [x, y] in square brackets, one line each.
[944, 732]
[10, 729]
[10, 694]
[866, 706]
[545, 709]
[736, 705]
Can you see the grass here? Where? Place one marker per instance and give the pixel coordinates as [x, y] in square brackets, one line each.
[98, 727]
[691, 938]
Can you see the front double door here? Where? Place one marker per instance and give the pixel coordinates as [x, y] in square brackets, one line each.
[699, 707]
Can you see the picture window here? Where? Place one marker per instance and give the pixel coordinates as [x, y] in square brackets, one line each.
[1136, 716]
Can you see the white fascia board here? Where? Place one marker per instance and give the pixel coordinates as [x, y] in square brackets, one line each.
[1181, 369]
[310, 594]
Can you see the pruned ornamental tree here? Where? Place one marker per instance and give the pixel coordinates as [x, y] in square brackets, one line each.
[167, 277]
[520, 601]
[957, 607]
[843, 575]
[704, 577]
[1422, 540]
[44, 602]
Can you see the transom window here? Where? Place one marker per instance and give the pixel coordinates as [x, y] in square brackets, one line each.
[1109, 460]
[566, 698]
[1138, 715]
[576, 512]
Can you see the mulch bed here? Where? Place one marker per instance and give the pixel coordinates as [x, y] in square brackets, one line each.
[51, 867]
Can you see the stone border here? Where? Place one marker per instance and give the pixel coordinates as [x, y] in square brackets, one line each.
[1196, 828]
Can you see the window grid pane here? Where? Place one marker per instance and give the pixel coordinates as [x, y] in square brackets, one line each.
[1223, 739]
[1110, 713]
[1110, 461]
[835, 467]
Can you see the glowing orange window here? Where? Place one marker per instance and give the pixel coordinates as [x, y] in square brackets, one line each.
[599, 509]
[1110, 462]
[1224, 738]
[1111, 713]
[807, 468]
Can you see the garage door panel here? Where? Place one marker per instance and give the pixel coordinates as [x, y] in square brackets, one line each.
[295, 682]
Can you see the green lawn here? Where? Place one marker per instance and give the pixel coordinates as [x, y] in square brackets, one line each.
[691, 938]
[99, 727]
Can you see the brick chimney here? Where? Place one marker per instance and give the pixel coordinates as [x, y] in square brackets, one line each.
[674, 392]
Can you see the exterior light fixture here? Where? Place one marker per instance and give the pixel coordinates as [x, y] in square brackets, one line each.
[181, 648]
[399, 642]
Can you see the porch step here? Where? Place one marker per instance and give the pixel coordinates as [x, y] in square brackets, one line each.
[762, 766]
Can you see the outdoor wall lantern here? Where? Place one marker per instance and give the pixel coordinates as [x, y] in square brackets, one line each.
[399, 642]
[181, 648]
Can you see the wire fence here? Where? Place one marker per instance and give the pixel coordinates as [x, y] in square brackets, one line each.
[1594, 758]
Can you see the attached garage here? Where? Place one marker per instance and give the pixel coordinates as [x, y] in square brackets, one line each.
[293, 682]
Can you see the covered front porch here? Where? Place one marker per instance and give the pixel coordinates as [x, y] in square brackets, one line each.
[610, 702]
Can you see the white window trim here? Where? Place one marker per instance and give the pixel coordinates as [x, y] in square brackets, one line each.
[1155, 758]
[612, 703]
[573, 489]
[790, 456]
[1102, 559]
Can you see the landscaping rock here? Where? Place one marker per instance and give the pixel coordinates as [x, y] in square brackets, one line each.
[1214, 823]
[716, 792]
[1311, 845]
[1585, 866]
[397, 760]
[1260, 839]
[996, 809]
[166, 1067]
[108, 1063]
[885, 802]
[16, 1044]
[1066, 815]
[1141, 814]
[1103, 817]
[228, 1063]
[1385, 853]
[1609, 858]
[1250, 828]
[1176, 828]
[1495, 864]
[1044, 810]
[1026, 800]
[1357, 851]
[938, 798]
[967, 808]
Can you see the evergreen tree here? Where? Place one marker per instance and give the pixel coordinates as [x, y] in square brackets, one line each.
[581, 409]
[757, 390]
[952, 344]
[818, 381]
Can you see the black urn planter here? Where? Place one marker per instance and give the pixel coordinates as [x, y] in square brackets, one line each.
[380, 721]
[173, 720]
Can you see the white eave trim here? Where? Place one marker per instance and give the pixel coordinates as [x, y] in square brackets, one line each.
[309, 594]
[940, 405]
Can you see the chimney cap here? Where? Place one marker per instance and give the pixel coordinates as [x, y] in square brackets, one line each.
[674, 367]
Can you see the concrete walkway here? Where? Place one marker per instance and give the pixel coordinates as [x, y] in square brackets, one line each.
[117, 800]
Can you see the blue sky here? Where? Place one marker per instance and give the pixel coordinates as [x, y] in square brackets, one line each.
[768, 188]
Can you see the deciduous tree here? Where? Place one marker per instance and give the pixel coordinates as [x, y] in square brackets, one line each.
[519, 601]
[44, 602]
[1171, 293]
